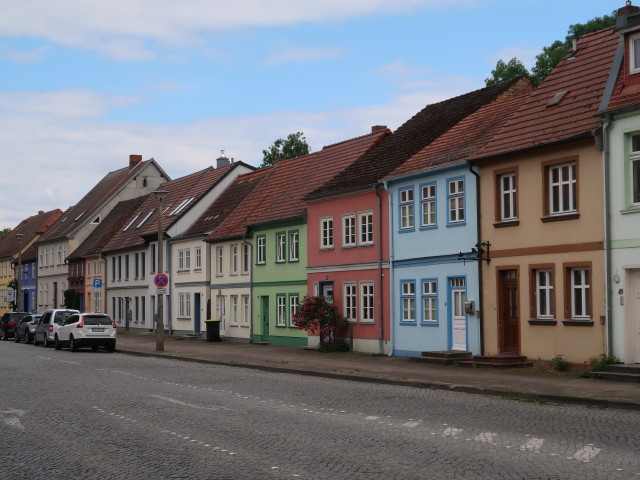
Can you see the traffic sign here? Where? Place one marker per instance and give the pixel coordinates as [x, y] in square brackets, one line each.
[161, 280]
[161, 291]
[97, 283]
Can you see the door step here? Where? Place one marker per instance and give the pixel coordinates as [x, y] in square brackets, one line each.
[617, 373]
[507, 360]
[442, 357]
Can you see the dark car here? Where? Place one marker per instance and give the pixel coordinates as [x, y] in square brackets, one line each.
[9, 322]
[26, 327]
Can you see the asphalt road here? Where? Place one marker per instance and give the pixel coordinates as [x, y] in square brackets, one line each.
[89, 415]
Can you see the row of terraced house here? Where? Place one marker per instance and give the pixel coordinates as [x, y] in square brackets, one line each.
[502, 221]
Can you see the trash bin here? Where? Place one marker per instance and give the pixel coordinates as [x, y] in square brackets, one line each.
[213, 330]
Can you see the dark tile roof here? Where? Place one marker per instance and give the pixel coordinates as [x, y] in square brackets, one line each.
[31, 228]
[582, 77]
[179, 191]
[81, 212]
[416, 133]
[465, 139]
[103, 233]
[227, 203]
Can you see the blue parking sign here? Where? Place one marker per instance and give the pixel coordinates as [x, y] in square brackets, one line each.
[97, 283]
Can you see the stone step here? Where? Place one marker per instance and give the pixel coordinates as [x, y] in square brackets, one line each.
[447, 354]
[615, 377]
[499, 364]
[504, 358]
[632, 369]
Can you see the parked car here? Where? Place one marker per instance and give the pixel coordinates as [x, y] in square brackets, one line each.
[48, 325]
[26, 327]
[9, 322]
[87, 330]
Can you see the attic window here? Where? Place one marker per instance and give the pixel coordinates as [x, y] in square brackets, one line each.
[634, 54]
[97, 220]
[145, 218]
[182, 205]
[131, 222]
[78, 217]
[555, 100]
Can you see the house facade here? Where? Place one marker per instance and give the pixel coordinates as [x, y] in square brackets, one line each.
[541, 198]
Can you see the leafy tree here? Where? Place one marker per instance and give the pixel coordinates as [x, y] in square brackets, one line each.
[295, 145]
[4, 232]
[551, 55]
[506, 71]
[318, 316]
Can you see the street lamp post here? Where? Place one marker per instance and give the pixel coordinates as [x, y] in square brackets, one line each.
[19, 236]
[160, 195]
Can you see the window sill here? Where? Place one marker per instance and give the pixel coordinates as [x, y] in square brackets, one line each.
[456, 224]
[367, 322]
[633, 209]
[559, 218]
[322, 249]
[430, 324]
[506, 223]
[571, 322]
[542, 321]
[408, 322]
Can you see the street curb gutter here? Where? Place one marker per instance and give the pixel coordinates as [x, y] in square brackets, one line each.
[494, 392]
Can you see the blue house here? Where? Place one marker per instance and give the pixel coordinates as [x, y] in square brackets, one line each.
[435, 243]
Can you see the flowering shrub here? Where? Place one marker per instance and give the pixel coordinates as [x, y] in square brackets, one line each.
[318, 316]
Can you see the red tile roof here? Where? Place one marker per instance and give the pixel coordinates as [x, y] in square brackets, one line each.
[464, 139]
[82, 212]
[416, 133]
[583, 77]
[30, 228]
[108, 227]
[227, 203]
[179, 191]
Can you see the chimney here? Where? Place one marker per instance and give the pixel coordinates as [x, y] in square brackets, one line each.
[378, 128]
[134, 160]
[628, 9]
[222, 161]
[40, 212]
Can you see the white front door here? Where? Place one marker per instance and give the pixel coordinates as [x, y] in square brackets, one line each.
[459, 318]
[635, 313]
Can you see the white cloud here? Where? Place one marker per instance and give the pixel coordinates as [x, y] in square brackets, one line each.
[301, 55]
[23, 56]
[116, 27]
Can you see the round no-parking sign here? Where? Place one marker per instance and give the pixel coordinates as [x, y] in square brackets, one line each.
[161, 280]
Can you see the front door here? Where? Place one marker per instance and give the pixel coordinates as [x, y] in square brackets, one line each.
[458, 315]
[326, 290]
[265, 318]
[508, 321]
[635, 312]
[196, 313]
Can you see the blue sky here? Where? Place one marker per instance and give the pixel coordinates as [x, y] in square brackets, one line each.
[83, 83]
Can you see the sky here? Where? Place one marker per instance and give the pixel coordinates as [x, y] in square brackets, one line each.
[86, 83]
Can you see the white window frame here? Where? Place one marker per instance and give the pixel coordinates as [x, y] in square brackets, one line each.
[234, 309]
[545, 307]
[580, 307]
[246, 310]
[365, 228]
[281, 310]
[198, 255]
[455, 197]
[564, 189]
[428, 202]
[634, 66]
[350, 301]
[294, 302]
[507, 190]
[326, 233]
[430, 301]
[281, 247]
[234, 259]
[261, 250]
[367, 302]
[407, 209]
[349, 230]
[184, 304]
[634, 165]
[294, 246]
[408, 301]
[219, 261]
[246, 258]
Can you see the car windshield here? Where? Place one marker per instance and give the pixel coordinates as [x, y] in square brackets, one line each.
[97, 320]
[62, 316]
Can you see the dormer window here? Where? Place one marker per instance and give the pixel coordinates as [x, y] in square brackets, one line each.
[634, 54]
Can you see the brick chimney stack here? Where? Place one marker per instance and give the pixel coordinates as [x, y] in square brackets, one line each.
[628, 9]
[134, 160]
[378, 128]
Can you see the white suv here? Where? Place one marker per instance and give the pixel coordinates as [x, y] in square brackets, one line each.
[87, 330]
[48, 325]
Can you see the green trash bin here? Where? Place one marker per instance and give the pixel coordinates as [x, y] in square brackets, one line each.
[213, 330]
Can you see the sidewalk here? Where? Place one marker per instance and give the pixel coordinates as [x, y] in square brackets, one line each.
[522, 384]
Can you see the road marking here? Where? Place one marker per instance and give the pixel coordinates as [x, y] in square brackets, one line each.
[452, 432]
[185, 404]
[10, 418]
[371, 417]
[486, 437]
[411, 424]
[587, 453]
[532, 445]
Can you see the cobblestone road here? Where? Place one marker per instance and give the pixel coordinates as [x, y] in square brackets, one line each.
[92, 415]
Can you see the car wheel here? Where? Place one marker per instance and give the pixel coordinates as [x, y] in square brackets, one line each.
[16, 338]
[45, 342]
[111, 347]
[27, 338]
[56, 343]
[35, 340]
[5, 337]
[72, 344]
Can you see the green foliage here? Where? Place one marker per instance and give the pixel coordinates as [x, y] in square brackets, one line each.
[603, 359]
[559, 364]
[71, 299]
[336, 345]
[295, 145]
[4, 232]
[506, 71]
[551, 55]
[318, 316]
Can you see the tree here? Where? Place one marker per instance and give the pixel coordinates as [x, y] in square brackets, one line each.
[551, 55]
[295, 145]
[318, 316]
[506, 71]
[4, 232]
